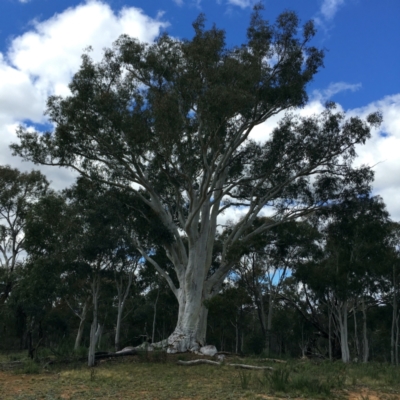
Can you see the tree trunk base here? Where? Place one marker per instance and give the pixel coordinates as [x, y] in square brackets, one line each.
[182, 341]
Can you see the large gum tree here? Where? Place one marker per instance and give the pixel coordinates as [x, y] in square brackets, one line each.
[170, 121]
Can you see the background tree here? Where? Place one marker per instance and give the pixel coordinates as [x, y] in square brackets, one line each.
[170, 122]
[353, 247]
[267, 262]
[87, 221]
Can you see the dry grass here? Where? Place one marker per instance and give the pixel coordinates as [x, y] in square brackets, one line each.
[158, 377]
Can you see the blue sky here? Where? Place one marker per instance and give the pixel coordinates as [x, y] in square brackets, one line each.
[41, 42]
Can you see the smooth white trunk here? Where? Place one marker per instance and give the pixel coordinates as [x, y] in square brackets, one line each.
[191, 329]
[189, 335]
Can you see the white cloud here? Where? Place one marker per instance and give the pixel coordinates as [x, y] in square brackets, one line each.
[330, 7]
[334, 88]
[42, 61]
[242, 3]
[327, 12]
[24, 1]
[178, 2]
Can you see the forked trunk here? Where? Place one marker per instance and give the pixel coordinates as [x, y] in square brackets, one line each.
[79, 335]
[82, 318]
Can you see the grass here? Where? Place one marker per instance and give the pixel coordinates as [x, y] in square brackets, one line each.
[157, 376]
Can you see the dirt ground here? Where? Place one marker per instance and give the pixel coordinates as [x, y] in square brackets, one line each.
[53, 386]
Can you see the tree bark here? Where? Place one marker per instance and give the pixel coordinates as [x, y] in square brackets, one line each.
[330, 332]
[365, 337]
[269, 323]
[356, 342]
[342, 318]
[394, 331]
[94, 326]
[154, 316]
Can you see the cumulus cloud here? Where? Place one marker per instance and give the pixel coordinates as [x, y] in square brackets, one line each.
[41, 62]
[178, 2]
[381, 151]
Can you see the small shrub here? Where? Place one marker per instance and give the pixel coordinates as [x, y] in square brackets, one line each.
[245, 379]
[392, 376]
[159, 356]
[30, 367]
[278, 379]
[310, 386]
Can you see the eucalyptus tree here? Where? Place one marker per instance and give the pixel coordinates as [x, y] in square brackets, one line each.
[171, 122]
[124, 276]
[18, 192]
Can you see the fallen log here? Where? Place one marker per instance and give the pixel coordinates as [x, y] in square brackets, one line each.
[198, 361]
[246, 366]
[205, 361]
[275, 360]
